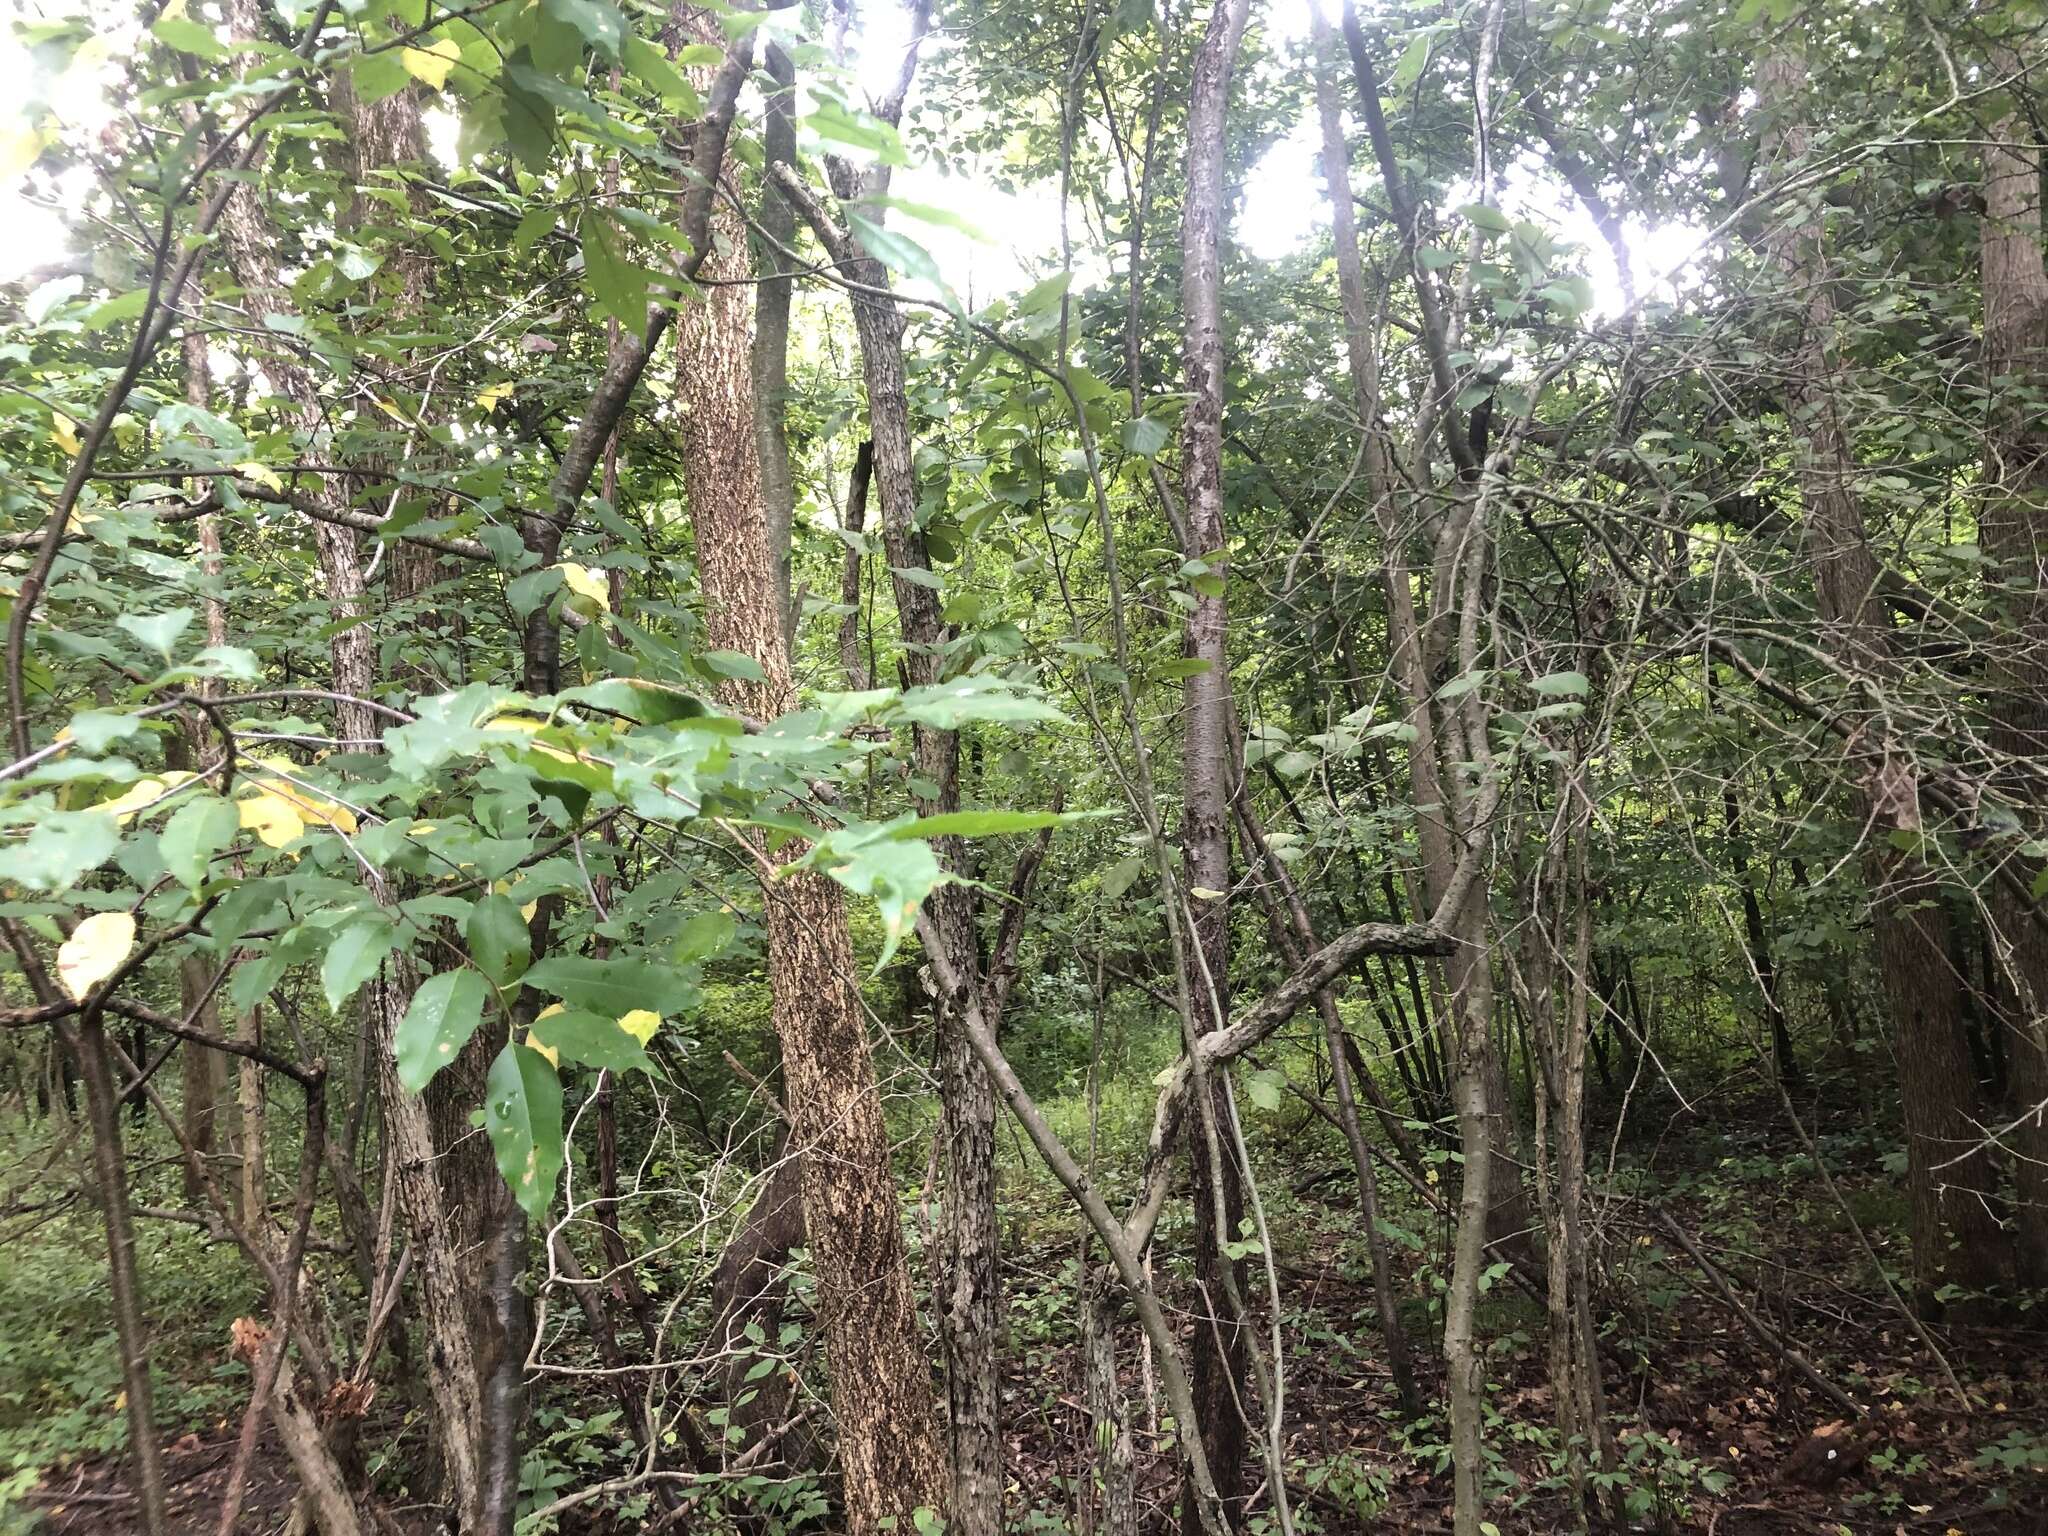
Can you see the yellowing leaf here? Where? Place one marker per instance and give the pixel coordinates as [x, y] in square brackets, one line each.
[585, 582]
[21, 143]
[96, 947]
[641, 1024]
[64, 437]
[274, 818]
[430, 66]
[262, 474]
[554, 1056]
[526, 912]
[487, 400]
[311, 808]
[124, 806]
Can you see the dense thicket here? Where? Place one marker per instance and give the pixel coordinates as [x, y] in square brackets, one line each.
[661, 869]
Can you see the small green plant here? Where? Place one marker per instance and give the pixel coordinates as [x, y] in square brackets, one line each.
[1658, 1480]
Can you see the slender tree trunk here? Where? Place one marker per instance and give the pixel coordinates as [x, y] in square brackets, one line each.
[969, 1288]
[449, 1282]
[2014, 524]
[770, 357]
[1296, 940]
[1219, 1353]
[1757, 940]
[88, 1043]
[1949, 1176]
[1410, 646]
[890, 1449]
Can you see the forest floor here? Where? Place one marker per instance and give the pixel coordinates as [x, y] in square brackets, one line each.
[1715, 1433]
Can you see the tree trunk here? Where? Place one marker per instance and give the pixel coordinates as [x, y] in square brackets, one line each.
[110, 1173]
[1949, 1177]
[2014, 524]
[770, 357]
[890, 1450]
[1219, 1352]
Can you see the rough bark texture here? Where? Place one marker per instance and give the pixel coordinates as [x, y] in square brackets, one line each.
[968, 1288]
[202, 1072]
[1955, 1231]
[448, 1284]
[1219, 1352]
[890, 1451]
[2014, 525]
[771, 333]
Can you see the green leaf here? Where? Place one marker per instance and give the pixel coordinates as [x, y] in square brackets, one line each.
[124, 307]
[614, 987]
[650, 66]
[197, 830]
[601, 24]
[592, 1040]
[1144, 436]
[733, 664]
[1184, 666]
[523, 1118]
[1560, 683]
[62, 846]
[1120, 876]
[857, 130]
[948, 706]
[157, 631]
[1268, 1089]
[498, 939]
[640, 699]
[96, 729]
[704, 936]
[618, 285]
[354, 956]
[1042, 298]
[533, 225]
[983, 823]
[1484, 216]
[188, 36]
[445, 1012]
[896, 876]
[897, 252]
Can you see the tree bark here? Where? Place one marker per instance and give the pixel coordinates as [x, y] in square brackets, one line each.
[2014, 524]
[1949, 1177]
[1219, 1355]
[890, 1450]
[770, 357]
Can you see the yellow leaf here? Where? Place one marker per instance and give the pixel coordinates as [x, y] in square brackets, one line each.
[96, 947]
[430, 66]
[487, 400]
[310, 807]
[641, 1024]
[390, 407]
[124, 806]
[275, 819]
[526, 912]
[585, 582]
[64, 437]
[20, 145]
[554, 1057]
[262, 474]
